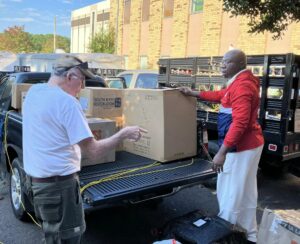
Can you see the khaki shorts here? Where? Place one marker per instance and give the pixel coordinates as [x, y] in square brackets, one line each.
[59, 207]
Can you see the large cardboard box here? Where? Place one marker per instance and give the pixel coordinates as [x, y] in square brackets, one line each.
[17, 89]
[119, 125]
[101, 128]
[169, 117]
[297, 121]
[101, 102]
[281, 226]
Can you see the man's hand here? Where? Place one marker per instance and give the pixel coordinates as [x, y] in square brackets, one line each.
[219, 159]
[133, 133]
[188, 91]
[185, 90]
[218, 162]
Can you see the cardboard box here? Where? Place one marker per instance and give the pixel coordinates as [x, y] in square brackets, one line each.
[119, 125]
[17, 89]
[169, 117]
[101, 102]
[101, 128]
[297, 121]
[23, 96]
[281, 226]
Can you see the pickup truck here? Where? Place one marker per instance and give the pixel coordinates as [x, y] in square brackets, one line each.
[139, 186]
[147, 79]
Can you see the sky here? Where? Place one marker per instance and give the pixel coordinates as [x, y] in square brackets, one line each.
[37, 16]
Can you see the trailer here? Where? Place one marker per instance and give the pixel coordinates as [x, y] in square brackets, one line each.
[279, 113]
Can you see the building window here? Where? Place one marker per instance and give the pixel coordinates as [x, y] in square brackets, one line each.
[143, 62]
[197, 6]
[103, 16]
[127, 4]
[168, 8]
[146, 10]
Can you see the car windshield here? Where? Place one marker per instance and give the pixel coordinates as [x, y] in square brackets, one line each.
[128, 78]
[115, 84]
[146, 81]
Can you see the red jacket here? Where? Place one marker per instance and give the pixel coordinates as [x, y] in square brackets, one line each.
[242, 96]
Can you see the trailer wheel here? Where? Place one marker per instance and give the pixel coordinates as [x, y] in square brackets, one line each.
[17, 195]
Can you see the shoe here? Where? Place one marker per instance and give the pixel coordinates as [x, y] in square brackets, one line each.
[251, 242]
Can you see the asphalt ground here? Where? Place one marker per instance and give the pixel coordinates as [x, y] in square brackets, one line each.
[140, 224]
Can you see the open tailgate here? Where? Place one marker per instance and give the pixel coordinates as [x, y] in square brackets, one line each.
[143, 181]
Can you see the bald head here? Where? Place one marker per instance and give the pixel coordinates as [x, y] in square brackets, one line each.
[233, 62]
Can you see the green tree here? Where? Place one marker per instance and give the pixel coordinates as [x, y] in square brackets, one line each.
[15, 39]
[265, 15]
[39, 40]
[61, 43]
[103, 42]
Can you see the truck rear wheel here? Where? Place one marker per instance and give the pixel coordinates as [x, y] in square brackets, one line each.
[17, 195]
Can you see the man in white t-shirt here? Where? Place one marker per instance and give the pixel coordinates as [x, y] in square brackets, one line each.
[55, 131]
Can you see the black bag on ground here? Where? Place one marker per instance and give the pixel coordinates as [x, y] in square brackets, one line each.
[212, 230]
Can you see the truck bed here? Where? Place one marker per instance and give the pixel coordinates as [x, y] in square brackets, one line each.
[161, 177]
[142, 184]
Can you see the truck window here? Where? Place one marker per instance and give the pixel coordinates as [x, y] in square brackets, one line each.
[35, 81]
[5, 93]
[128, 78]
[148, 81]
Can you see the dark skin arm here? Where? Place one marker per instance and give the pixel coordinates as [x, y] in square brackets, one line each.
[219, 159]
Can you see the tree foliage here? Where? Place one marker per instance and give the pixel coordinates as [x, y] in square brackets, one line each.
[103, 42]
[16, 40]
[61, 43]
[265, 15]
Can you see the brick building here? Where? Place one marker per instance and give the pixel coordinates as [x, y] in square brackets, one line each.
[149, 29]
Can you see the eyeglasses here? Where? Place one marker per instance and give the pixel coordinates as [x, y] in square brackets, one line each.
[225, 61]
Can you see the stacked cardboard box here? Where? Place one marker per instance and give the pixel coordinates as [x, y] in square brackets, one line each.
[101, 102]
[280, 226]
[101, 128]
[167, 115]
[17, 90]
[170, 119]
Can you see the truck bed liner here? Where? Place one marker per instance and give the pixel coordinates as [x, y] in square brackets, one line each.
[159, 177]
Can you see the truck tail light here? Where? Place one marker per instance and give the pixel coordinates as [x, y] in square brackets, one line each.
[286, 149]
[272, 147]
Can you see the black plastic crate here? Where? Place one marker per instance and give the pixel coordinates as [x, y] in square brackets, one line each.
[255, 59]
[211, 79]
[278, 59]
[181, 78]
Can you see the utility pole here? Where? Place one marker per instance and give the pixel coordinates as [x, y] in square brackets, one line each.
[117, 28]
[54, 35]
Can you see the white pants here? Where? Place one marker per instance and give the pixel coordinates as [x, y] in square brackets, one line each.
[237, 190]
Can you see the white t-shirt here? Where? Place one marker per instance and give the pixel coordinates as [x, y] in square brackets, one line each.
[53, 124]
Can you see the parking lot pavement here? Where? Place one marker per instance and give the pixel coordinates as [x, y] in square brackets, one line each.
[282, 193]
[140, 224]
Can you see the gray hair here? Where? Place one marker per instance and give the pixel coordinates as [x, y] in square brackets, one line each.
[60, 72]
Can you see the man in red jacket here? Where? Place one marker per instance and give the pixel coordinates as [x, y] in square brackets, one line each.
[240, 139]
